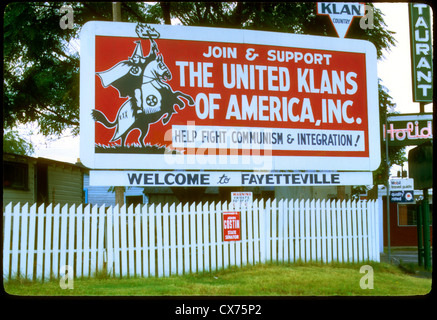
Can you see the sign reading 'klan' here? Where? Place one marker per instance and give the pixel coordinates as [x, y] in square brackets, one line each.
[341, 14]
[175, 97]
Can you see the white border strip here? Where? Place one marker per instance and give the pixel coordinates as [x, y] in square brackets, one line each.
[226, 178]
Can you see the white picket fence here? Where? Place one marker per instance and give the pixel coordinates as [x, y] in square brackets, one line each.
[149, 240]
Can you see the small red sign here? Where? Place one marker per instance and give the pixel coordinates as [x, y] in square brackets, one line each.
[231, 226]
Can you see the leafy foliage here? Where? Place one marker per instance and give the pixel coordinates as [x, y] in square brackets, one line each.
[41, 61]
[13, 143]
[41, 64]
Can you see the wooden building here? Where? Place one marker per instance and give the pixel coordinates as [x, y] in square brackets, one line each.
[39, 180]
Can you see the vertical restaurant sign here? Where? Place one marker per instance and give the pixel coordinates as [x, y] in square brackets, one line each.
[421, 52]
[177, 97]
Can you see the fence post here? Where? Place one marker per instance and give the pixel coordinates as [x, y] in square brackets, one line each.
[15, 232]
[256, 234]
[116, 239]
[152, 248]
[360, 206]
[301, 225]
[273, 231]
[179, 228]
[79, 246]
[193, 238]
[109, 242]
[130, 240]
[186, 211]
[354, 230]
[71, 234]
[291, 230]
[23, 240]
[313, 223]
[206, 241]
[219, 235]
[262, 230]
[280, 230]
[101, 233]
[267, 230]
[166, 245]
[86, 240]
[7, 241]
[322, 235]
[123, 246]
[31, 257]
[173, 229]
[199, 242]
[375, 231]
[144, 218]
[285, 232]
[159, 239]
[329, 231]
[307, 231]
[213, 236]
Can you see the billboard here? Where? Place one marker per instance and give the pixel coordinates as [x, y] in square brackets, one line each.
[176, 97]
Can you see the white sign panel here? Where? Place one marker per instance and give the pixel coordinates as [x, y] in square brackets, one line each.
[228, 178]
[341, 14]
[402, 190]
[401, 184]
[241, 199]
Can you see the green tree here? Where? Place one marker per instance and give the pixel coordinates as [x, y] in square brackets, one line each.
[41, 65]
[13, 143]
[41, 61]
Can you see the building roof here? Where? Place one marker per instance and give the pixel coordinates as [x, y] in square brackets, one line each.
[11, 157]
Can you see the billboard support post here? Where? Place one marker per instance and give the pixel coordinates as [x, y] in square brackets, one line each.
[387, 162]
[426, 233]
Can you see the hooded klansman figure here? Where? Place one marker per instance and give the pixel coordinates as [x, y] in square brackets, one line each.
[127, 76]
[143, 80]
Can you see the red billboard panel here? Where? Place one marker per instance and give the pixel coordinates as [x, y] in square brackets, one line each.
[231, 226]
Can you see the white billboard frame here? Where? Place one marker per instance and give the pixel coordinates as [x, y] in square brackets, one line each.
[95, 160]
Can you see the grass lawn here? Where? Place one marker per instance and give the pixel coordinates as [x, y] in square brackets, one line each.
[296, 279]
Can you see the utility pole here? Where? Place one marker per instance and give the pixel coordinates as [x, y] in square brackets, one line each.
[116, 11]
[388, 190]
[119, 191]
